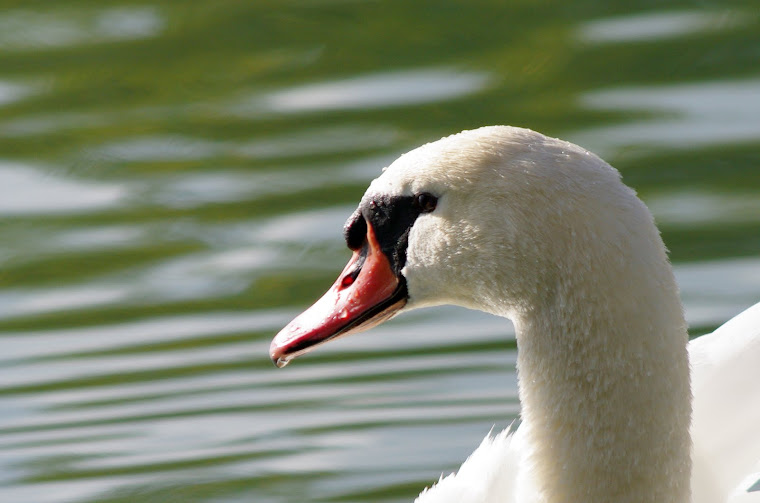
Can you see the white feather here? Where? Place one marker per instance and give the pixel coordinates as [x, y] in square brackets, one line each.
[725, 430]
[545, 233]
[489, 473]
[726, 422]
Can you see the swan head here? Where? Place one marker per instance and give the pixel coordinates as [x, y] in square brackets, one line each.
[489, 219]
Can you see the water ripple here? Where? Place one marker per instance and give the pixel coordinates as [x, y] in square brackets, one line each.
[28, 190]
[381, 90]
[11, 92]
[653, 26]
[688, 116]
[28, 30]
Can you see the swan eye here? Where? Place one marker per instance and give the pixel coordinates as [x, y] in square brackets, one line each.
[425, 201]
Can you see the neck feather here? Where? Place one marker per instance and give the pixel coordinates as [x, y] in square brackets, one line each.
[604, 382]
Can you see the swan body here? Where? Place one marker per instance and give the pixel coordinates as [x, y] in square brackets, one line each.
[724, 428]
[541, 231]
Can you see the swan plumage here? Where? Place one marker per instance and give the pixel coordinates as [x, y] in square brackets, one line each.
[726, 423]
[488, 473]
[724, 428]
[541, 231]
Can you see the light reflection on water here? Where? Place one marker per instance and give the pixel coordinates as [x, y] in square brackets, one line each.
[27, 30]
[29, 190]
[13, 91]
[689, 116]
[697, 208]
[372, 91]
[173, 184]
[660, 25]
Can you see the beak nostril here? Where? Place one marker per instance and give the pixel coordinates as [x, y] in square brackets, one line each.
[349, 278]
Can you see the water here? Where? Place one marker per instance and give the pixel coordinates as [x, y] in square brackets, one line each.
[173, 182]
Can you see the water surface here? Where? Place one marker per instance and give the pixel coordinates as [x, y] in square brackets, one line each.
[173, 182]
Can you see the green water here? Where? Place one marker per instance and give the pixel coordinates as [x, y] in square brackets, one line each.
[173, 181]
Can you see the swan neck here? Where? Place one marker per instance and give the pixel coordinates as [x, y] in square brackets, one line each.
[604, 383]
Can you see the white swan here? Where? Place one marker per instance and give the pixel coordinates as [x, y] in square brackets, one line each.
[543, 232]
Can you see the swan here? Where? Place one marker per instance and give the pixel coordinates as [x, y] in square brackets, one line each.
[543, 232]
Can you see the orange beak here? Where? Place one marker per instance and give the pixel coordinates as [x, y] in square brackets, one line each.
[365, 294]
